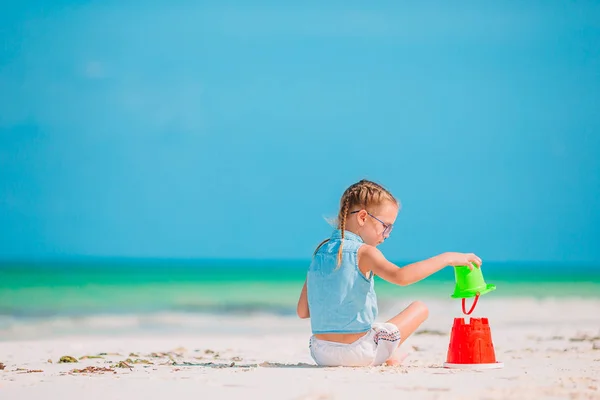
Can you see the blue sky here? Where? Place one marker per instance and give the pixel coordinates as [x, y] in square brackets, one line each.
[229, 130]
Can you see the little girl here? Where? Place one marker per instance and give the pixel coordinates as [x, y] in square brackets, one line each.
[338, 295]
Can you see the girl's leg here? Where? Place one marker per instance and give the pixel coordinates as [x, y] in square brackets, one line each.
[407, 322]
[410, 319]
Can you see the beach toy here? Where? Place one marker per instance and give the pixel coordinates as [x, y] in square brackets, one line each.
[471, 345]
[470, 283]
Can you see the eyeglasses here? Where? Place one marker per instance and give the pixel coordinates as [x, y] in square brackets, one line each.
[387, 228]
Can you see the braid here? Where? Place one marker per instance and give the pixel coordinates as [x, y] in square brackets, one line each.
[344, 215]
[319, 246]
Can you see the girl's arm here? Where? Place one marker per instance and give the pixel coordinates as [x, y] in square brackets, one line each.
[370, 258]
[302, 309]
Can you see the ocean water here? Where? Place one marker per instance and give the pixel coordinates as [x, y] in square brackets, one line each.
[113, 294]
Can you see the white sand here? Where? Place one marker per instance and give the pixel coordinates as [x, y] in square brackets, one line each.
[550, 348]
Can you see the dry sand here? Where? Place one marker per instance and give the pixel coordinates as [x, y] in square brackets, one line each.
[550, 349]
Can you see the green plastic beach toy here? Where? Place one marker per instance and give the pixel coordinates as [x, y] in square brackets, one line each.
[469, 283]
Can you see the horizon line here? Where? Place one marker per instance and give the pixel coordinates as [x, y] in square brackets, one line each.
[100, 258]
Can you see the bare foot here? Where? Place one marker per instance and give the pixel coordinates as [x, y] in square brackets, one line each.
[396, 360]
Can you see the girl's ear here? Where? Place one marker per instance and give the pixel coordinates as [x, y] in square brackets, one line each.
[361, 217]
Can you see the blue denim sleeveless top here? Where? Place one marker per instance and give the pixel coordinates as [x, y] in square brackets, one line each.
[340, 300]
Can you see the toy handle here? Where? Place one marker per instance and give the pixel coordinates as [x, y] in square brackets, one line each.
[472, 307]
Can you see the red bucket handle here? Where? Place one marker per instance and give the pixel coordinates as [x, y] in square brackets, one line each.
[464, 305]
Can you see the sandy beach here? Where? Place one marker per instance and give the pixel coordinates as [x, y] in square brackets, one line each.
[550, 349]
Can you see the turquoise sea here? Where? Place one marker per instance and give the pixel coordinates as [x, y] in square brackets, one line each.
[71, 290]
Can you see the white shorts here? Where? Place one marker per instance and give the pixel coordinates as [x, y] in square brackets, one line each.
[374, 348]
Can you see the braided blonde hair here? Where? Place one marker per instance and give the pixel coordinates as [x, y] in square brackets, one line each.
[364, 194]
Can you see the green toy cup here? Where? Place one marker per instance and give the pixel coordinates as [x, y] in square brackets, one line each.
[469, 283]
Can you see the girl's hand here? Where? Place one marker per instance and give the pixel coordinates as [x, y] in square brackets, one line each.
[460, 259]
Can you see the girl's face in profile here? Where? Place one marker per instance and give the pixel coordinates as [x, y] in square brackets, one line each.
[376, 224]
